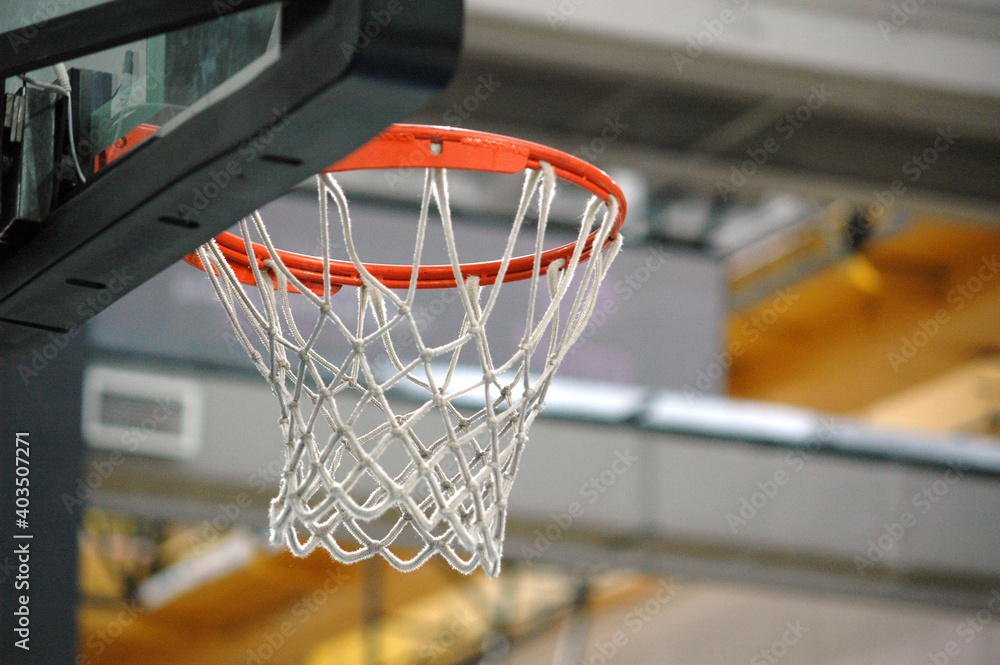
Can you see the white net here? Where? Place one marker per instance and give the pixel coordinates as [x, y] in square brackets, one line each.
[412, 455]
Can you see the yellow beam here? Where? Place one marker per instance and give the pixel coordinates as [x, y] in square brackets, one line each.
[849, 337]
[966, 399]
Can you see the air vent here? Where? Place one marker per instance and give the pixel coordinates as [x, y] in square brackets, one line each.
[142, 413]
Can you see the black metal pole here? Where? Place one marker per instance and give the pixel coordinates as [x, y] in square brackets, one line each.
[42, 451]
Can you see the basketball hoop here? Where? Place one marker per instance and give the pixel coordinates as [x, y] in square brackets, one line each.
[435, 468]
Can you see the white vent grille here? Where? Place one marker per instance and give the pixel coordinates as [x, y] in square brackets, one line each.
[142, 413]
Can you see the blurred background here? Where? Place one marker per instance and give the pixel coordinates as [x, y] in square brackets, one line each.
[776, 441]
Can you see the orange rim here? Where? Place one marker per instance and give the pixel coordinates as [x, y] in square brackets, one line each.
[410, 146]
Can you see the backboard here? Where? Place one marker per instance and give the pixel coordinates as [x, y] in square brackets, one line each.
[251, 97]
